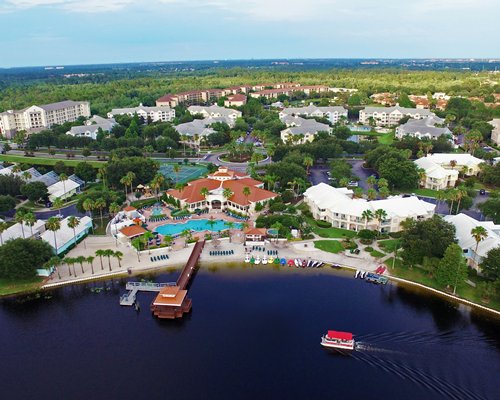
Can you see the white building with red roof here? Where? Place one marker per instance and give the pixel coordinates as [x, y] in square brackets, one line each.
[236, 100]
[225, 190]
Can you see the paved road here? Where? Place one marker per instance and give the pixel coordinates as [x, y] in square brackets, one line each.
[362, 173]
[65, 212]
[242, 167]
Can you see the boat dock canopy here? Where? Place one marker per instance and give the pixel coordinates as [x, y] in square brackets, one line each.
[340, 335]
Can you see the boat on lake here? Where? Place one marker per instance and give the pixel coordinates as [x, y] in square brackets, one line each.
[257, 260]
[247, 258]
[376, 278]
[338, 340]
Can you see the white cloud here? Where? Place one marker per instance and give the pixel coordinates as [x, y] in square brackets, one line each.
[88, 6]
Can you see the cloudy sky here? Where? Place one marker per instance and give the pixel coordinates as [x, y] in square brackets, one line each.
[48, 32]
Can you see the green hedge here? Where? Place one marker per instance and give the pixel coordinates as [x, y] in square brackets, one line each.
[323, 224]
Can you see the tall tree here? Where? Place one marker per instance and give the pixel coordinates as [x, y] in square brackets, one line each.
[452, 269]
[479, 233]
[19, 218]
[73, 223]
[53, 225]
[100, 253]
[367, 215]
[63, 178]
[30, 220]
[380, 215]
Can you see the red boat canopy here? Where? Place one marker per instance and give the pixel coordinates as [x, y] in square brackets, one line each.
[340, 335]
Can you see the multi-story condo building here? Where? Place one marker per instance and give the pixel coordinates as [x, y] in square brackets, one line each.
[216, 112]
[423, 128]
[337, 206]
[155, 114]
[333, 114]
[38, 117]
[300, 130]
[91, 127]
[287, 91]
[390, 116]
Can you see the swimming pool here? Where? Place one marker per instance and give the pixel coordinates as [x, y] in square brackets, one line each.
[155, 211]
[194, 225]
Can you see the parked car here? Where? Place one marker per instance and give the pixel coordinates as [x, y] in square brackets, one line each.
[354, 251]
[482, 192]
[353, 184]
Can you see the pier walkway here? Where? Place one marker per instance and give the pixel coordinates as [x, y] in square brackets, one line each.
[172, 301]
[128, 299]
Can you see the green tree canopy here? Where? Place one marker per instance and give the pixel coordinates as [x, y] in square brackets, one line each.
[452, 269]
[7, 203]
[491, 264]
[19, 258]
[34, 191]
[85, 171]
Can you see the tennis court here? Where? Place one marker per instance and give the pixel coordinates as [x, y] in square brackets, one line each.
[186, 173]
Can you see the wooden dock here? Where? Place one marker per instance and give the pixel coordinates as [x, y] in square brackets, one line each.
[172, 301]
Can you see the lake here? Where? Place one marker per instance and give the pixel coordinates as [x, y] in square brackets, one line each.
[251, 334]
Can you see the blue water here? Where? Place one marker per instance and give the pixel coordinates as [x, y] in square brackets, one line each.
[354, 128]
[195, 225]
[157, 211]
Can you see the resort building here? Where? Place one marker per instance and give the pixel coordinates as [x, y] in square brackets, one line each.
[235, 100]
[464, 163]
[227, 190]
[288, 91]
[153, 114]
[35, 118]
[495, 133]
[333, 114]
[420, 102]
[385, 98]
[23, 231]
[300, 130]
[65, 236]
[29, 175]
[129, 216]
[464, 225]
[200, 128]
[436, 177]
[337, 206]
[129, 233]
[63, 189]
[423, 128]
[390, 116]
[92, 126]
[255, 235]
[228, 114]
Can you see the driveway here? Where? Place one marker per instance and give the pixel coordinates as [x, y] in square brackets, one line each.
[362, 173]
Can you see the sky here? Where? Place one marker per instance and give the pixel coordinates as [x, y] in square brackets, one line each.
[65, 32]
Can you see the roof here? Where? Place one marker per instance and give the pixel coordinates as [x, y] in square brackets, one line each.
[170, 296]
[464, 225]
[16, 231]
[311, 109]
[130, 208]
[132, 231]
[213, 110]
[61, 188]
[299, 125]
[340, 200]
[433, 170]
[145, 109]
[424, 127]
[340, 335]
[461, 159]
[237, 97]
[65, 234]
[402, 110]
[200, 127]
[61, 105]
[255, 231]
[49, 178]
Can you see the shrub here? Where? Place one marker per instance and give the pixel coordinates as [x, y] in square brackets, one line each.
[287, 196]
[366, 241]
[367, 234]
[395, 235]
[323, 224]
[369, 249]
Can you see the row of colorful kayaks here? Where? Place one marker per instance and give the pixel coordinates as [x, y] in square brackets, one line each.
[292, 262]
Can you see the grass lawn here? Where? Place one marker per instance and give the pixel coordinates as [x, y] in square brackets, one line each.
[389, 245]
[332, 246]
[47, 161]
[421, 276]
[386, 138]
[11, 287]
[332, 233]
[377, 254]
[426, 192]
[98, 228]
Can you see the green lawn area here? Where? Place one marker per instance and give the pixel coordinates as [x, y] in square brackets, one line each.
[421, 276]
[11, 287]
[332, 233]
[47, 161]
[386, 138]
[389, 245]
[377, 254]
[332, 246]
[426, 192]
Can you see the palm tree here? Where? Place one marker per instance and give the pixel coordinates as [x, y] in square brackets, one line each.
[440, 196]
[227, 193]
[54, 224]
[125, 182]
[157, 183]
[380, 215]
[102, 176]
[19, 218]
[137, 244]
[185, 234]
[247, 192]
[479, 233]
[421, 176]
[69, 262]
[73, 222]
[230, 226]
[371, 193]
[453, 164]
[54, 262]
[100, 204]
[100, 253]
[119, 256]
[30, 220]
[211, 222]
[344, 182]
[26, 176]
[58, 203]
[271, 181]
[90, 260]
[88, 206]
[131, 177]
[461, 192]
[108, 253]
[368, 216]
[371, 181]
[114, 208]
[147, 236]
[63, 178]
[168, 239]
[204, 192]
[384, 192]
[3, 228]
[451, 196]
[176, 168]
[382, 182]
[16, 169]
[308, 163]
[80, 260]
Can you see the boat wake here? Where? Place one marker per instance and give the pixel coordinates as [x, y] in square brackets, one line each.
[416, 375]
